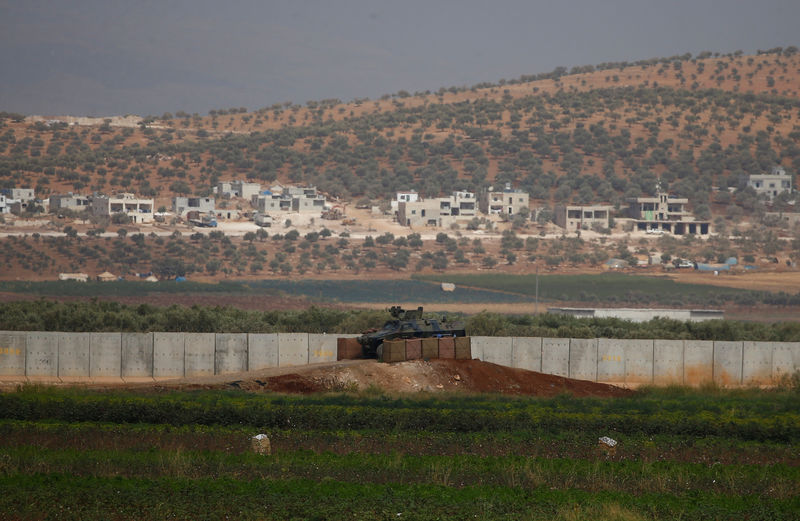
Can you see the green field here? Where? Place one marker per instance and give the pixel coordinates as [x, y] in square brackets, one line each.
[682, 454]
[607, 288]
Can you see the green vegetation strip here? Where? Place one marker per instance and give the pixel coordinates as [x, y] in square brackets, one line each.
[776, 481]
[536, 443]
[693, 454]
[44, 315]
[742, 415]
[63, 496]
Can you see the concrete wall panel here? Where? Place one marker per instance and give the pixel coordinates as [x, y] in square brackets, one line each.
[137, 355]
[785, 359]
[698, 362]
[230, 354]
[728, 363]
[497, 350]
[321, 348]
[638, 361]
[73, 355]
[262, 350]
[105, 355]
[526, 353]
[12, 353]
[479, 344]
[41, 354]
[555, 356]
[583, 358]
[168, 354]
[668, 362]
[198, 354]
[610, 360]
[292, 349]
[757, 363]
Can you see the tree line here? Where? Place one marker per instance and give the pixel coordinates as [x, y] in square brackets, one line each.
[99, 316]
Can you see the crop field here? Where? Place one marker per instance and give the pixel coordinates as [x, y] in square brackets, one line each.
[607, 287]
[389, 290]
[490, 288]
[681, 454]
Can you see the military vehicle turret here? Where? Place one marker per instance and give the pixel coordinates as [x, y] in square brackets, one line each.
[408, 324]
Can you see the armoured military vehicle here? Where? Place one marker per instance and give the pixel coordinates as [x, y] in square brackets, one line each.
[408, 324]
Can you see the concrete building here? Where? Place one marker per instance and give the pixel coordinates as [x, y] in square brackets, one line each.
[667, 213]
[408, 196]
[18, 200]
[182, 205]
[578, 217]
[424, 212]
[241, 189]
[508, 201]
[78, 203]
[138, 210]
[19, 194]
[291, 199]
[440, 211]
[4, 208]
[464, 204]
[772, 184]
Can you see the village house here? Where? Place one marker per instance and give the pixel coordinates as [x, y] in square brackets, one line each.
[507, 201]
[241, 189]
[772, 184]
[460, 206]
[183, 205]
[78, 203]
[582, 217]
[666, 213]
[138, 210]
[291, 199]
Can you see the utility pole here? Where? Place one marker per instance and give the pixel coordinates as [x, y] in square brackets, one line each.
[537, 288]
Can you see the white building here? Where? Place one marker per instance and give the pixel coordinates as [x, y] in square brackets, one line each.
[772, 184]
[138, 210]
[4, 205]
[407, 196]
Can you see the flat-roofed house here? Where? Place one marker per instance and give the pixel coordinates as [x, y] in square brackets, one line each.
[139, 210]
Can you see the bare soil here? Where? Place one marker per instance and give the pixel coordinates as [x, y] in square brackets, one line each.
[470, 376]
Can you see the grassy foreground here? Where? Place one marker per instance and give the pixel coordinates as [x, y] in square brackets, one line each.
[691, 454]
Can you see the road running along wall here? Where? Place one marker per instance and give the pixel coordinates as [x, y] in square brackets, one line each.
[37, 356]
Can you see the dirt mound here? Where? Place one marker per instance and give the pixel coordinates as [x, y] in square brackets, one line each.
[411, 376]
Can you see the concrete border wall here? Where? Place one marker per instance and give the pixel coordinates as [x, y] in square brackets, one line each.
[199, 354]
[555, 356]
[13, 348]
[56, 356]
[583, 358]
[668, 362]
[496, 350]
[137, 356]
[526, 353]
[168, 355]
[105, 355]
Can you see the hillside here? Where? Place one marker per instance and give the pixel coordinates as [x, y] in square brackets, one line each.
[698, 125]
[592, 134]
